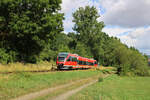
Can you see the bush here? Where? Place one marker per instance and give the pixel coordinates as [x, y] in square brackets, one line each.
[3, 56]
[6, 57]
[131, 62]
[100, 79]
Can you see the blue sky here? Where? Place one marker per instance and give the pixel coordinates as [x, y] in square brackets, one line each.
[128, 20]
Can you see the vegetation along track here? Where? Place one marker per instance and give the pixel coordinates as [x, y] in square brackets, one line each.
[54, 70]
[39, 71]
[51, 69]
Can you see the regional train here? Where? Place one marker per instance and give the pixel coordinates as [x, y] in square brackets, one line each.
[74, 61]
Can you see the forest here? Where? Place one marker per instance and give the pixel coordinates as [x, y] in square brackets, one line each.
[32, 31]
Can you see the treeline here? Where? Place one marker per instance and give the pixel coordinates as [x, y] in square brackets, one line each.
[32, 31]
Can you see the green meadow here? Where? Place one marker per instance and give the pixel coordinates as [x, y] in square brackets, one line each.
[20, 83]
[116, 88]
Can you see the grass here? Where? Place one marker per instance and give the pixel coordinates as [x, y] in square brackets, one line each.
[117, 88]
[64, 90]
[20, 83]
[43, 66]
[19, 67]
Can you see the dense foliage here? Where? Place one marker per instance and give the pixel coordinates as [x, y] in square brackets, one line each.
[27, 28]
[109, 51]
[31, 31]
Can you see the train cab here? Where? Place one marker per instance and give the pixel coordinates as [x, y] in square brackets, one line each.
[66, 61]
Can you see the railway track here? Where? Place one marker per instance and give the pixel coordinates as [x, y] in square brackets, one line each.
[40, 71]
[53, 70]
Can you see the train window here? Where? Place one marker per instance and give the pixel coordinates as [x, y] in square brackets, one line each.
[63, 55]
[87, 62]
[84, 63]
[74, 59]
[69, 59]
[92, 63]
[80, 62]
[95, 62]
[61, 58]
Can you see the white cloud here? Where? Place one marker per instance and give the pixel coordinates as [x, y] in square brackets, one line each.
[70, 6]
[115, 31]
[142, 35]
[126, 13]
[128, 40]
[68, 24]
[130, 17]
[137, 37]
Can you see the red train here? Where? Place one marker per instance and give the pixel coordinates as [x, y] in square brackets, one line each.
[73, 61]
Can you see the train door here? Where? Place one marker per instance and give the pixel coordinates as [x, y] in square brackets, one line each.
[95, 64]
[74, 61]
[69, 61]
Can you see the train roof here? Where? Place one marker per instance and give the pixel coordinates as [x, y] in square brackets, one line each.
[63, 53]
[66, 53]
[76, 55]
[85, 59]
[90, 60]
[73, 55]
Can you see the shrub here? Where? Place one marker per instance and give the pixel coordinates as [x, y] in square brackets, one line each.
[131, 62]
[6, 57]
[100, 79]
[3, 56]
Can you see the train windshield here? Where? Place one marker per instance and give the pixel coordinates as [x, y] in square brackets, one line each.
[62, 56]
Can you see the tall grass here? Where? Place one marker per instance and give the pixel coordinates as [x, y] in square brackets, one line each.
[19, 67]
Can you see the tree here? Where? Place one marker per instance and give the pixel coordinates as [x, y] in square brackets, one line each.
[28, 26]
[89, 29]
[109, 51]
[86, 23]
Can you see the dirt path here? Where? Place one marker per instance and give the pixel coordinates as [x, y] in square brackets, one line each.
[70, 93]
[67, 94]
[45, 92]
[64, 96]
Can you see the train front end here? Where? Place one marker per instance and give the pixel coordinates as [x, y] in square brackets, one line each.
[61, 59]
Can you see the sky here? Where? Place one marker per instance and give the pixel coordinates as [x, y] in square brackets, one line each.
[128, 20]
